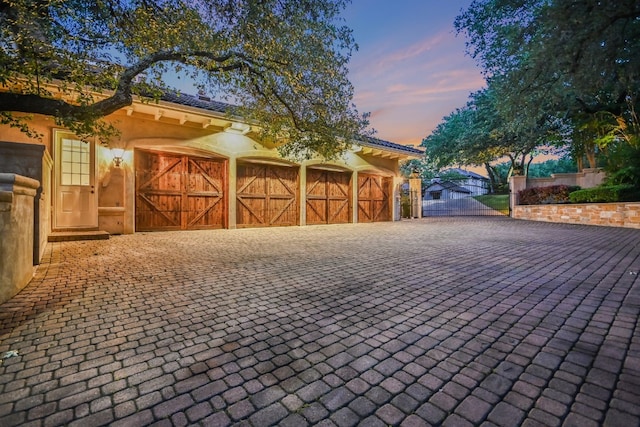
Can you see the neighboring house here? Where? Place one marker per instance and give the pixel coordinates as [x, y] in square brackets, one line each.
[182, 164]
[445, 190]
[475, 183]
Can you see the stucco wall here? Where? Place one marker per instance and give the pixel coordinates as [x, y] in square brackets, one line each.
[16, 228]
[116, 211]
[608, 214]
[587, 178]
[157, 127]
[32, 161]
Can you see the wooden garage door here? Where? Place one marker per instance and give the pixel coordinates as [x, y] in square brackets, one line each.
[328, 197]
[374, 198]
[175, 192]
[266, 195]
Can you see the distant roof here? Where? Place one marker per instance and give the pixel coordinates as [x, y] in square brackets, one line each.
[206, 103]
[466, 173]
[447, 185]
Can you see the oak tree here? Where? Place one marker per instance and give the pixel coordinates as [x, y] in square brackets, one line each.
[283, 62]
[572, 59]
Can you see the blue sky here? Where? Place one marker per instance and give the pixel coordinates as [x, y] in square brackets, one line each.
[411, 69]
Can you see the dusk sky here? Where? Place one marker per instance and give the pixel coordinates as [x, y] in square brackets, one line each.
[411, 69]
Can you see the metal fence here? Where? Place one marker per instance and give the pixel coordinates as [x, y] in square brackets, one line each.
[410, 206]
[465, 206]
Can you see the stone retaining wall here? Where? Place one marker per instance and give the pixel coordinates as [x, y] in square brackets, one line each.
[608, 214]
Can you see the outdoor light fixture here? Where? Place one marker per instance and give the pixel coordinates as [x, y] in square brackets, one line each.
[238, 128]
[118, 155]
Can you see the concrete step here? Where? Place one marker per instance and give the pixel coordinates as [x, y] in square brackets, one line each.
[68, 235]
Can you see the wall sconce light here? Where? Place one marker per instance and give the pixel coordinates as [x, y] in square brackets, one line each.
[118, 156]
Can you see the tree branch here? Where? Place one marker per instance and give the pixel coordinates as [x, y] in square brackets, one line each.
[122, 97]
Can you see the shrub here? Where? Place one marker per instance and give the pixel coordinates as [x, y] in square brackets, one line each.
[606, 194]
[546, 195]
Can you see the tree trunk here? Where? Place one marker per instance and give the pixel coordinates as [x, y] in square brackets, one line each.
[492, 177]
[528, 164]
[590, 152]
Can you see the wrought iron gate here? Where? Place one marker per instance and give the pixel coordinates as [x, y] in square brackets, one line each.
[465, 206]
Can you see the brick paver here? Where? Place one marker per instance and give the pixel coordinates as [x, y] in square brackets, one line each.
[485, 321]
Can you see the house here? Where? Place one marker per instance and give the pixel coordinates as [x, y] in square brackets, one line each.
[475, 183]
[445, 190]
[183, 164]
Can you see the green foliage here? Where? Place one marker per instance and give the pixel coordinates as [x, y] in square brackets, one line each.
[545, 195]
[623, 164]
[565, 66]
[545, 169]
[573, 53]
[468, 136]
[283, 61]
[19, 123]
[422, 167]
[480, 133]
[606, 194]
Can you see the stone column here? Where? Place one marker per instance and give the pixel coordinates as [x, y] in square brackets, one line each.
[303, 194]
[16, 232]
[516, 184]
[354, 197]
[232, 193]
[415, 190]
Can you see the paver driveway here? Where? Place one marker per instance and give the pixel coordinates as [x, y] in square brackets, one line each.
[459, 322]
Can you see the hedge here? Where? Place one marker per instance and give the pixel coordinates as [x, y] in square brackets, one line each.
[546, 195]
[606, 194]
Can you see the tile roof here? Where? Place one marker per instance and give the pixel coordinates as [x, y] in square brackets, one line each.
[208, 104]
[201, 102]
[377, 142]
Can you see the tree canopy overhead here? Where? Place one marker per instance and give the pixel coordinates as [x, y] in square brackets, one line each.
[560, 73]
[283, 62]
[581, 54]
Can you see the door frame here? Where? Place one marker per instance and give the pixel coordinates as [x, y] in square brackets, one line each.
[92, 220]
[328, 198]
[184, 160]
[385, 184]
[242, 197]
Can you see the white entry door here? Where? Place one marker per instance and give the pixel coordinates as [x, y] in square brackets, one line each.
[75, 202]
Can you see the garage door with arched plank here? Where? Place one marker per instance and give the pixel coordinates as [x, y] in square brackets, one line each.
[179, 192]
[267, 195]
[328, 199]
[374, 198]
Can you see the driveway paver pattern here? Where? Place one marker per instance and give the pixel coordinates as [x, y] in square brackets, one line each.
[453, 322]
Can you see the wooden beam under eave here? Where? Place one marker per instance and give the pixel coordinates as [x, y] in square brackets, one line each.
[366, 150]
[158, 115]
[129, 111]
[207, 124]
[184, 119]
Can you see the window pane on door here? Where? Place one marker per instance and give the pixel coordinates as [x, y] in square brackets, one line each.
[75, 162]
